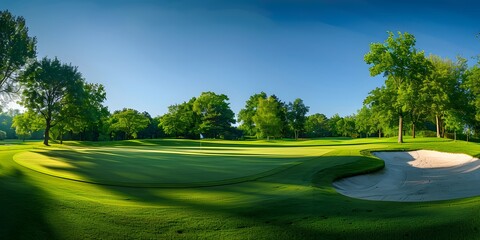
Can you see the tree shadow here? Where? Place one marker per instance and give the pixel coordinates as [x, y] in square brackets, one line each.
[22, 209]
[297, 203]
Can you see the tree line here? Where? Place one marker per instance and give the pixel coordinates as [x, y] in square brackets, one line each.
[420, 90]
[423, 93]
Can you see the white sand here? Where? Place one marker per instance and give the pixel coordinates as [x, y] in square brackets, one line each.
[416, 176]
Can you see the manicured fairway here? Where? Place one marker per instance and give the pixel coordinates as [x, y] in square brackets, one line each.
[292, 201]
[165, 166]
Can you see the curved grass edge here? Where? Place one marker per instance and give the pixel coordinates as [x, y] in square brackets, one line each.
[367, 163]
[223, 182]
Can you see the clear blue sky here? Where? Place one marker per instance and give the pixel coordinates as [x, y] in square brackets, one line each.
[152, 54]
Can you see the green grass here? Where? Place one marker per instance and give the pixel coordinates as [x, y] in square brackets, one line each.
[280, 190]
[157, 165]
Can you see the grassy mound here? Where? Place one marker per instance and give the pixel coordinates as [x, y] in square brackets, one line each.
[158, 165]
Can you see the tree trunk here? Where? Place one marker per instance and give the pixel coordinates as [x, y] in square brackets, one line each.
[443, 129]
[296, 134]
[455, 135]
[47, 132]
[413, 130]
[379, 133]
[437, 121]
[400, 129]
[268, 138]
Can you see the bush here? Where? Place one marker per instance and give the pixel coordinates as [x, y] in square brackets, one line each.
[3, 135]
[427, 133]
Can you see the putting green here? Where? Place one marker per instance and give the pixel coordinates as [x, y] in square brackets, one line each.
[164, 166]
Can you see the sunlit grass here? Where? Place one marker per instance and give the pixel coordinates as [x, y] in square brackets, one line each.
[154, 165]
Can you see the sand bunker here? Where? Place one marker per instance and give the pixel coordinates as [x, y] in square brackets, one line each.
[416, 176]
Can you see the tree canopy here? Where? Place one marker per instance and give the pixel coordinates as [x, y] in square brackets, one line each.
[296, 115]
[266, 118]
[402, 65]
[215, 114]
[16, 49]
[129, 121]
[51, 89]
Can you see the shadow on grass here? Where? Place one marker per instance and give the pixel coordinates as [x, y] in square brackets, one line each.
[168, 170]
[221, 143]
[22, 211]
[296, 203]
[312, 212]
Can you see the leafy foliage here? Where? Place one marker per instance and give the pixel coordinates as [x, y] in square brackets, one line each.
[129, 121]
[215, 114]
[52, 89]
[245, 116]
[403, 67]
[16, 49]
[296, 115]
[27, 123]
[267, 118]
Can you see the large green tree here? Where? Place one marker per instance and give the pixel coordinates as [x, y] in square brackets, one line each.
[216, 117]
[181, 120]
[129, 121]
[266, 118]
[316, 125]
[51, 89]
[364, 121]
[245, 116]
[27, 123]
[472, 87]
[90, 114]
[383, 113]
[16, 49]
[333, 126]
[442, 88]
[152, 130]
[402, 65]
[296, 115]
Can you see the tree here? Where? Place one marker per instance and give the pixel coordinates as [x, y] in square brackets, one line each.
[364, 121]
[316, 125]
[472, 86]
[16, 49]
[6, 119]
[152, 130]
[3, 135]
[216, 117]
[442, 87]
[454, 122]
[245, 116]
[51, 88]
[129, 121]
[27, 123]
[333, 126]
[382, 110]
[181, 120]
[401, 64]
[90, 114]
[296, 116]
[267, 119]
[346, 126]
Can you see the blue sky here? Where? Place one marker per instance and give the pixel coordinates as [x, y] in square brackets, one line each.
[152, 54]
